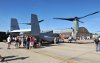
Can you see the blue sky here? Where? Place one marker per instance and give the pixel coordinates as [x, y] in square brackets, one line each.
[48, 9]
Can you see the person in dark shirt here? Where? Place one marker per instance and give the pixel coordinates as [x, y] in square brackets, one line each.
[97, 42]
[28, 42]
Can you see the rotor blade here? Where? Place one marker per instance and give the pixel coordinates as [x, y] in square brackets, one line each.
[89, 14]
[81, 21]
[69, 28]
[41, 21]
[26, 23]
[30, 23]
[70, 19]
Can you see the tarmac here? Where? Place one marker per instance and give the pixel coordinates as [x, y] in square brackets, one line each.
[51, 53]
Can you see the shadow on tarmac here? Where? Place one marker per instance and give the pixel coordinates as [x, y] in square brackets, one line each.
[80, 42]
[50, 45]
[11, 58]
[84, 42]
[0, 48]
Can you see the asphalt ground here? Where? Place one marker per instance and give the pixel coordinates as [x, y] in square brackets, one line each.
[52, 53]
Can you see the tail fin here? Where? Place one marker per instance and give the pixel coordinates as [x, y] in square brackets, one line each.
[35, 28]
[14, 24]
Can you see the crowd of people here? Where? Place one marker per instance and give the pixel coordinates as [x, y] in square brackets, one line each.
[27, 42]
[24, 41]
[30, 42]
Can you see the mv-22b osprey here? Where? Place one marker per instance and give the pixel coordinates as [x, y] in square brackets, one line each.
[76, 21]
[35, 28]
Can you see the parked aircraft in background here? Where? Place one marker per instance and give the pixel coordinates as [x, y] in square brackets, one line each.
[76, 21]
[35, 29]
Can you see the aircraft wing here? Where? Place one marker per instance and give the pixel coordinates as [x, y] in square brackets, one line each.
[26, 23]
[22, 30]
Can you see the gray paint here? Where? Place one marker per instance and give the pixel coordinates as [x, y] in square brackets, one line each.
[14, 24]
[35, 28]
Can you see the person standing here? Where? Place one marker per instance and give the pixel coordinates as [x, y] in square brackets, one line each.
[24, 41]
[32, 40]
[17, 42]
[70, 39]
[37, 42]
[9, 42]
[55, 41]
[28, 42]
[97, 42]
[20, 42]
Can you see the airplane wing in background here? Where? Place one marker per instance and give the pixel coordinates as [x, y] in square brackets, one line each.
[22, 30]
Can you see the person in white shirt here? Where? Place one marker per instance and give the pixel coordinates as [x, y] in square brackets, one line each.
[9, 42]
